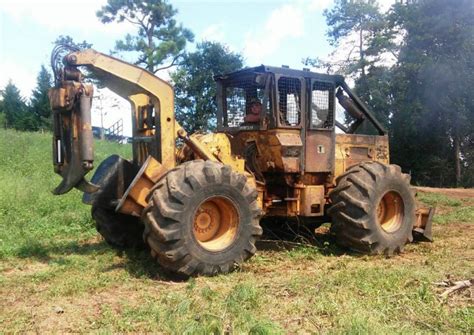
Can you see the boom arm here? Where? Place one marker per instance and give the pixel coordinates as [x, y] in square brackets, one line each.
[140, 88]
[154, 126]
[152, 100]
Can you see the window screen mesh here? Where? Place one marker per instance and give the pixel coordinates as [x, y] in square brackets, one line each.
[235, 106]
[341, 115]
[289, 92]
[322, 105]
[240, 95]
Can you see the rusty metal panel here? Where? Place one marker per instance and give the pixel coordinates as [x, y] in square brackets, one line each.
[352, 149]
[319, 151]
[291, 164]
[57, 98]
[289, 139]
[382, 150]
[277, 150]
[424, 221]
[63, 98]
[312, 200]
[358, 154]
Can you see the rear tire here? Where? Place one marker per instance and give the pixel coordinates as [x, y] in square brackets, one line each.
[118, 230]
[373, 209]
[202, 218]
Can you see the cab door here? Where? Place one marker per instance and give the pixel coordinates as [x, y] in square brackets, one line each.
[320, 135]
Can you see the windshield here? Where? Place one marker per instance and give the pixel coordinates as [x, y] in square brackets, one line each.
[244, 102]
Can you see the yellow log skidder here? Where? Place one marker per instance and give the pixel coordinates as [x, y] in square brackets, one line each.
[276, 154]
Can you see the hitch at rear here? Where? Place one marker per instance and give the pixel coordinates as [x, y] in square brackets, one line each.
[422, 227]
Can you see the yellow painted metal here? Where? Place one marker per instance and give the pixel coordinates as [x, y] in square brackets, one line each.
[137, 102]
[390, 212]
[218, 145]
[134, 83]
[216, 223]
[195, 146]
[143, 89]
[135, 198]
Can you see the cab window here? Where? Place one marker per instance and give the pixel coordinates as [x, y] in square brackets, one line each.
[244, 101]
[289, 101]
[322, 105]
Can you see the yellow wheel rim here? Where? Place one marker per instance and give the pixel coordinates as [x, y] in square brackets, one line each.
[390, 211]
[216, 223]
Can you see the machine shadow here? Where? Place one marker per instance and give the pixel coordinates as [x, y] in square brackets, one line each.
[278, 237]
[286, 235]
[137, 261]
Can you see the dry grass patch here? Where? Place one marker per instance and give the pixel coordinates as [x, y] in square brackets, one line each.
[57, 276]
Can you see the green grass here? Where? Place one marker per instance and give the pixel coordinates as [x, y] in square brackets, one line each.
[50, 257]
[31, 218]
[449, 209]
[436, 199]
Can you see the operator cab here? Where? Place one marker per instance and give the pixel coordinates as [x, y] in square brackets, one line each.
[295, 113]
[266, 97]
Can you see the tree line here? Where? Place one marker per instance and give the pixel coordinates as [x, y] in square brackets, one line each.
[411, 65]
[18, 113]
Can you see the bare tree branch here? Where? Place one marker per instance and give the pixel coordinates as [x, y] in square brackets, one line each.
[173, 63]
[140, 60]
[131, 21]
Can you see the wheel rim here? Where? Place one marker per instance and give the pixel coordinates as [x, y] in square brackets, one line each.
[216, 223]
[390, 211]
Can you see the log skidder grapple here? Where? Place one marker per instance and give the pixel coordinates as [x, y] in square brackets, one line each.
[197, 199]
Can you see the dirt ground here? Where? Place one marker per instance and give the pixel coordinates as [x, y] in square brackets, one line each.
[287, 288]
[451, 192]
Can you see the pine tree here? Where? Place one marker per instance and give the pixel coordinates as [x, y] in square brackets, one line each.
[195, 89]
[159, 37]
[362, 20]
[362, 26]
[3, 120]
[68, 40]
[16, 109]
[39, 104]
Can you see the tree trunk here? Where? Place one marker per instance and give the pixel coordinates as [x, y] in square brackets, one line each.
[457, 159]
[365, 84]
[151, 66]
[361, 51]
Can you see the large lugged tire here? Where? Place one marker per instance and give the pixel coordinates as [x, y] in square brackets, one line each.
[373, 209]
[202, 218]
[119, 230]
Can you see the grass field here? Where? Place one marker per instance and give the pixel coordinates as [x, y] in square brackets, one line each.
[57, 275]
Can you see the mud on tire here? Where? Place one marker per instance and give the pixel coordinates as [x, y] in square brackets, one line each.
[202, 218]
[373, 209]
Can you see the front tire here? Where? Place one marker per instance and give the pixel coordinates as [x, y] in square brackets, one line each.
[373, 209]
[118, 230]
[202, 218]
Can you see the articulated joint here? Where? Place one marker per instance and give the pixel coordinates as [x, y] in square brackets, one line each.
[196, 146]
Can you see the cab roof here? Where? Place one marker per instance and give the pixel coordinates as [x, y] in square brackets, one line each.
[284, 71]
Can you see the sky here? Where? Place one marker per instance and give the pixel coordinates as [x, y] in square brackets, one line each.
[272, 32]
